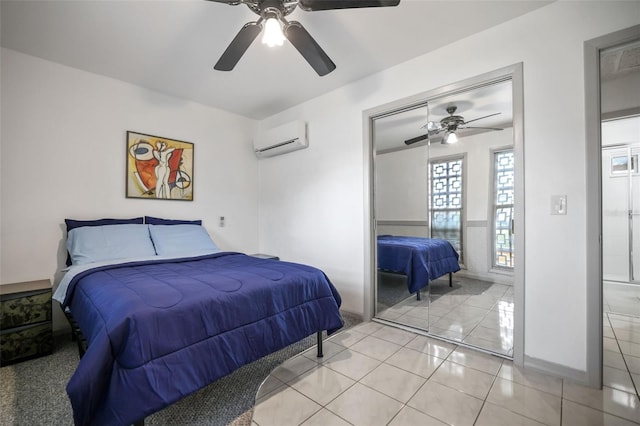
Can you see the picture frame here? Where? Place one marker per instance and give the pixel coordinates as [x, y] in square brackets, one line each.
[159, 168]
[620, 165]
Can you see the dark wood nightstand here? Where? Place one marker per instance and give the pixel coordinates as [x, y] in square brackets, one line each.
[25, 321]
[264, 256]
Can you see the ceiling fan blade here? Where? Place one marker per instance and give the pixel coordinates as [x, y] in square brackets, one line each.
[238, 46]
[432, 127]
[311, 5]
[308, 48]
[416, 139]
[229, 2]
[480, 118]
[482, 128]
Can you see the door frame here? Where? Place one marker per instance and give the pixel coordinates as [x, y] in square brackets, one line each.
[593, 168]
[515, 74]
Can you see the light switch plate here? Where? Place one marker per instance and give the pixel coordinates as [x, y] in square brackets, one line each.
[558, 204]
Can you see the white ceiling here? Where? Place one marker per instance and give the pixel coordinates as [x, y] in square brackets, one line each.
[171, 46]
[619, 61]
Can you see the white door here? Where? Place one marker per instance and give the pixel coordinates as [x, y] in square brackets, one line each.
[621, 200]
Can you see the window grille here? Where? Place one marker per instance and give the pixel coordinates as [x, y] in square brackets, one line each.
[503, 184]
[446, 203]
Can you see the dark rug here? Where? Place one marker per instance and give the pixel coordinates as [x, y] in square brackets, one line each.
[33, 392]
[392, 288]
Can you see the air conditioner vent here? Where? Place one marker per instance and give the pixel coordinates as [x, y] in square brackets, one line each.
[282, 139]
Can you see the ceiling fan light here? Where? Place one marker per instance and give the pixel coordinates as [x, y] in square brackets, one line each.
[450, 137]
[273, 35]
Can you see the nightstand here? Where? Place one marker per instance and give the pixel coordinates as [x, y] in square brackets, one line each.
[264, 256]
[25, 321]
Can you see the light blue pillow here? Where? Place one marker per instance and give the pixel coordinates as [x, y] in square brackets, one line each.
[182, 240]
[90, 244]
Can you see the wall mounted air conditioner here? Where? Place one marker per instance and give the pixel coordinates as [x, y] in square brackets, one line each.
[282, 139]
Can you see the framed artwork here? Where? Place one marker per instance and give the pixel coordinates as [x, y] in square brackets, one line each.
[620, 165]
[159, 168]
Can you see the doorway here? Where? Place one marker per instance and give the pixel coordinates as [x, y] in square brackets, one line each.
[621, 201]
[599, 108]
[620, 139]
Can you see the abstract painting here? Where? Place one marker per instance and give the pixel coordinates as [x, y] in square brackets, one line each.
[159, 168]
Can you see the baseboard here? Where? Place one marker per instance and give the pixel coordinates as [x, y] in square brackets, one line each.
[62, 332]
[353, 314]
[495, 278]
[558, 370]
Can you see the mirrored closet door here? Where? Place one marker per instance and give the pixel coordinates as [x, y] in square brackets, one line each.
[444, 173]
[401, 222]
[476, 175]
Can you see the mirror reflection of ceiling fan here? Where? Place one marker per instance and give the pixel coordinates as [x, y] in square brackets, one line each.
[276, 29]
[449, 125]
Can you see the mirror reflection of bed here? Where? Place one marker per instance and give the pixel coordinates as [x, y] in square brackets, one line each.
[461, 194]
[417, 261]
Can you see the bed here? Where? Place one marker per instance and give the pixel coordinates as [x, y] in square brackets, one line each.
[420, 259]
[161, 326]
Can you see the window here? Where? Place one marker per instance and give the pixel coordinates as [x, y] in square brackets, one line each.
[446, 202]
[503, 190]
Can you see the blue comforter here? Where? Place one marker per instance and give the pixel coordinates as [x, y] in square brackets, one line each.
[420, 259]
[160, 330]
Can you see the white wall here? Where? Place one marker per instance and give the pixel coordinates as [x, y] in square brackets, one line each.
[621, 93]
[402, 185]
[63, 156]
[320, 191]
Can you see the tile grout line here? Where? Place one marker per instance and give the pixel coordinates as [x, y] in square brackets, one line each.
[426, 381]
[484, 401]
[404, 404]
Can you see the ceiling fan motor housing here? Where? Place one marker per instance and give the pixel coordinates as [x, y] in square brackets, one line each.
[451, 123]
[272, 8]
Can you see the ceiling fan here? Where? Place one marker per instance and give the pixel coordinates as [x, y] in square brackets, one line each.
[449, 125]
[272, 18]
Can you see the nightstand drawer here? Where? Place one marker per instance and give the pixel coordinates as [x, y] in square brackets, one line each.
[25, 342]
[25, 321]
[20, 309]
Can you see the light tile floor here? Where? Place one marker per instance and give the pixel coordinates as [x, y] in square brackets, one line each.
[373, 374]
[621, 298]
[478, 313]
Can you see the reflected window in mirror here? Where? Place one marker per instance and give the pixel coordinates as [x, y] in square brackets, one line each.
[503, 190]
[447, 202]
